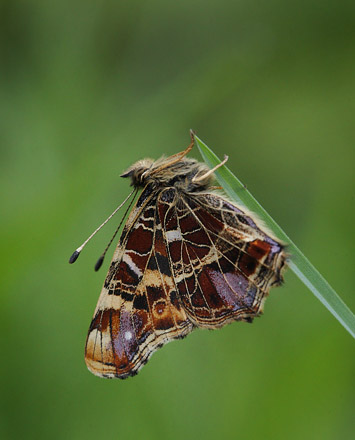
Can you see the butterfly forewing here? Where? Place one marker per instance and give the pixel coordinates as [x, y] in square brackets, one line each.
[139, 309]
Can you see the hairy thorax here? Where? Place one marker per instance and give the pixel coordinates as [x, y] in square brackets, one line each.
[184, 175]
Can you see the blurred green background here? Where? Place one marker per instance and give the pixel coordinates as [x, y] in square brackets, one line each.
[87, 88]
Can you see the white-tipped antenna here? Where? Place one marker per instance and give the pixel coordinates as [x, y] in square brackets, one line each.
[101, 259]
[76, 253]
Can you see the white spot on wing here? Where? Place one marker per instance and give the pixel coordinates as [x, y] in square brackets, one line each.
[128, 260]
[173, 235]
[128, 336]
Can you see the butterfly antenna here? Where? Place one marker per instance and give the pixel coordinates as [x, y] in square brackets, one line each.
[76, 253]
[101, 259]
[199, 178]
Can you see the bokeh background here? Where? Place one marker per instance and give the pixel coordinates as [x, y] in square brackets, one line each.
[87, 88]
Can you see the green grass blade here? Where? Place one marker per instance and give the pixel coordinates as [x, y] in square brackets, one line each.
[298, 263]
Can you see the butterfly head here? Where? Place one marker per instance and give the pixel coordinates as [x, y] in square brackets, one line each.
[163, 172]
[138, 172]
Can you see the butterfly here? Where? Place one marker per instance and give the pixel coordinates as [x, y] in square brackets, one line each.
[187, 258]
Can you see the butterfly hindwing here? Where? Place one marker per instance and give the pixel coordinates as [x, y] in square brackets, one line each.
[262, 257]
[223, 265]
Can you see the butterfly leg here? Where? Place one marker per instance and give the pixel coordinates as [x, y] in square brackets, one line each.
[175, 158]
[198, 178]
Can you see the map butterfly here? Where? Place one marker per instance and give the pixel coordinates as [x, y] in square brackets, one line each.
[187, 258]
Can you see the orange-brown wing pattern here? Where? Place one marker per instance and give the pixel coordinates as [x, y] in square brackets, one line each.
[139, 309]
[223, 264]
